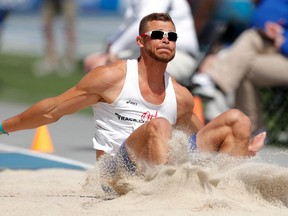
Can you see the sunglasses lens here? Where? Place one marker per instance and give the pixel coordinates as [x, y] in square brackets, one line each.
[172, 36]
[157, 35]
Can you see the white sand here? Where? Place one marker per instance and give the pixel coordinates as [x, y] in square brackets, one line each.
[198, 185]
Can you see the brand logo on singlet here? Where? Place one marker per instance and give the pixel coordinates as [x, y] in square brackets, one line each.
[125, 118]
[145, 117]
[131, 102]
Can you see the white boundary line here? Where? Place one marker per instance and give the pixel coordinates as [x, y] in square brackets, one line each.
[8, 148]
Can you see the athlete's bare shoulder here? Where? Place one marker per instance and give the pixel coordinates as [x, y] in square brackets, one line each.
[106, 81]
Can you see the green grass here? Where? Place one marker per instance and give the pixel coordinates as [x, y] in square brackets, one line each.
[19, 84]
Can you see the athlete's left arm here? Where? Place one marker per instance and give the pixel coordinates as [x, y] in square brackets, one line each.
[186, 118]
[91, 89]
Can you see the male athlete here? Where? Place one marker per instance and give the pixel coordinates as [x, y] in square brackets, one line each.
[137, 104]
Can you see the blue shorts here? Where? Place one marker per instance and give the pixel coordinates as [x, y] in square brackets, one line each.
[127, 163]
[192, 146]
[120, 162]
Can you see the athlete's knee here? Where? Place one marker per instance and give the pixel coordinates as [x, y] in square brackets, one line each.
[238, 120]
[159, 126]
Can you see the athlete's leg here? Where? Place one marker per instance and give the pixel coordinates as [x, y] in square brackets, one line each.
[228, 133]
[150, 141]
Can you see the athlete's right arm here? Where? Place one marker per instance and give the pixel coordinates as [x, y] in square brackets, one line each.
[98, 85]
[186, 118]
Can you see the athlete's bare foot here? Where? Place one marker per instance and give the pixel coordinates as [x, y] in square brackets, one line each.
[256, 144]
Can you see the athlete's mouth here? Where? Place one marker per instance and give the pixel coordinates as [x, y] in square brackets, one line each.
[164, 49]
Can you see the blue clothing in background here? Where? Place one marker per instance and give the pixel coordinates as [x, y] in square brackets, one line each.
[275, 11]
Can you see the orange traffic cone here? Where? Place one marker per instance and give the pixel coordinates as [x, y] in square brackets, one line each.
[198, 109]
[42, 141]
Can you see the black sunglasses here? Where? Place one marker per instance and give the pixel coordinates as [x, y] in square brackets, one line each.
[158, 34]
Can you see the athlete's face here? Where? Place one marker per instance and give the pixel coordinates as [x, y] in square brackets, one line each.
[158, 45]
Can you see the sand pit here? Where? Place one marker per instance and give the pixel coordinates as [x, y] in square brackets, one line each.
[198, 184]
[247, 189]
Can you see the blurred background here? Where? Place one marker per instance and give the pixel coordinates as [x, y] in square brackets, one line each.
[22, 48]
[22, 57]
[23, 44]
[22, 28]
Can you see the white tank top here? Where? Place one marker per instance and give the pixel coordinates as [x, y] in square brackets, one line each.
[114, 122]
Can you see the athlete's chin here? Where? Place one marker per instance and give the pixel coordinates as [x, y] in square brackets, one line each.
[162, 57]
[165, 59]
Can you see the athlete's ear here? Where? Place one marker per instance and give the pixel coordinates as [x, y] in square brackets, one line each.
[139, 41]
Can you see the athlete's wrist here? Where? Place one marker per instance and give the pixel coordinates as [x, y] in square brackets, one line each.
[2, 131]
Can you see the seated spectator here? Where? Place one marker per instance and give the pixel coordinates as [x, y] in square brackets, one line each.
[257, 59]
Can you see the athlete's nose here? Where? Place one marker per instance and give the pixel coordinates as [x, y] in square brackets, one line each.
[165, 38]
